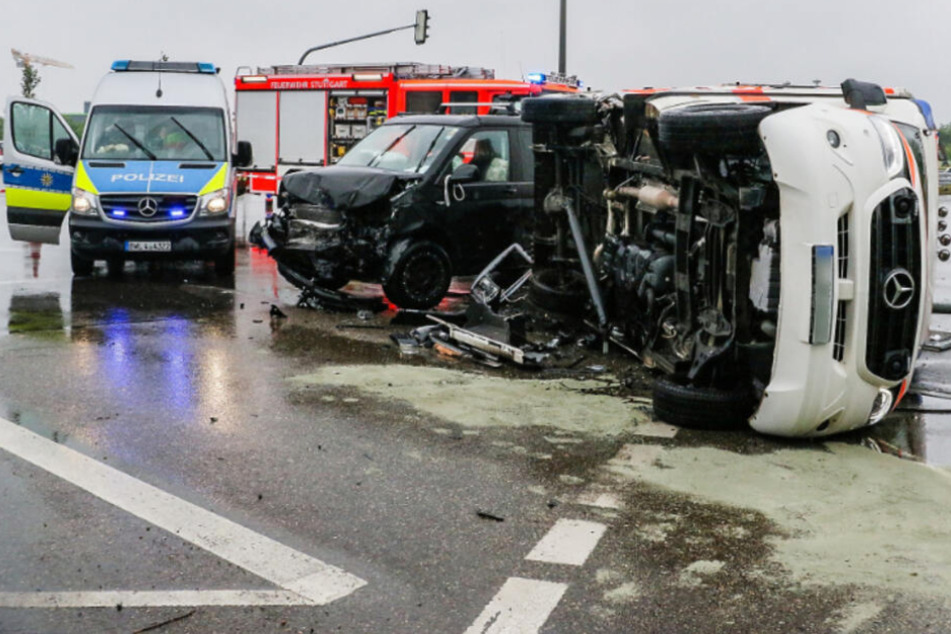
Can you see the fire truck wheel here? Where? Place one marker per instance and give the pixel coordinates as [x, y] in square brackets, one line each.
[702, 407]
[224, 264]
[560, 109]
[420, 273]
[82, 267]
[712, 128]
[560, 291]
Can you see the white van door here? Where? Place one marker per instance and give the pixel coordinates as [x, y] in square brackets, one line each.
[39, 150]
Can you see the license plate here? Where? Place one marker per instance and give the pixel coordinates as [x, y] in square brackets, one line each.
[160, 246]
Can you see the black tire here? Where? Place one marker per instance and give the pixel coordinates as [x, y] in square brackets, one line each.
[82, 267]
[702, 407]
[560, 109]
[560, 291]
[419, 276]
[712, 128]
[224, 264]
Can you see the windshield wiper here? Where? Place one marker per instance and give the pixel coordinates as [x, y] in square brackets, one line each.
[193, 138]
[137, 143]
[422, 161]
[389, 147]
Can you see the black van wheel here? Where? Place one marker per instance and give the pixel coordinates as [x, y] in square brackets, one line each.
[224, 264]
[420, 274]
[82, 267]
[712, 128]
[560, 109]
[702, 407]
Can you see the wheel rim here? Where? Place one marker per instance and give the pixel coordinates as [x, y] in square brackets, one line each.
[423, 275]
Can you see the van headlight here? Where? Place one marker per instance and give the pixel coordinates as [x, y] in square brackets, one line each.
[892, 149]
[215, 202]
[85, 203]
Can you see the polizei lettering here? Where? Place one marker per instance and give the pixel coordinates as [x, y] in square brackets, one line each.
[145, 178]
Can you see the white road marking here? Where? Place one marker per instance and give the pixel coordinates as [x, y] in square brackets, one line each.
[521, 607]
[313, 580]
[569, 542]
[601, 500]
[133, 599]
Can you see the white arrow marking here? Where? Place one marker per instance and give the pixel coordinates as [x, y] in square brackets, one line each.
[314, 581]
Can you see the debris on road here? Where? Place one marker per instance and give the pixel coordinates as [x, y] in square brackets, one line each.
[490, 516]
[174, 619]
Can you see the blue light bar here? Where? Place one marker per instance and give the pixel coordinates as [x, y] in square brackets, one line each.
[128, 65]
[118, 213]
[177, 212]
[536, 78]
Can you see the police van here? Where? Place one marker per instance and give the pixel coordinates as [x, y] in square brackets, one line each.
[151, 178]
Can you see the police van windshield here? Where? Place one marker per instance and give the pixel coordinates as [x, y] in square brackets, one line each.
[140, 133]
[400, 148]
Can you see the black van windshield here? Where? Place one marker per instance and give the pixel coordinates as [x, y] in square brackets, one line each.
[130, 133]
[400, 148]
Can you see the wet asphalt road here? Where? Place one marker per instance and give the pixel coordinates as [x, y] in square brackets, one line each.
[180, 381]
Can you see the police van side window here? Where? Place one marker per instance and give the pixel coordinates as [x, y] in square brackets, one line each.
[32, 131]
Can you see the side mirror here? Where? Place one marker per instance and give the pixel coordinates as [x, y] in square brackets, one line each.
[66, 152]
[244, 157]
[862, 94]
[465, 173]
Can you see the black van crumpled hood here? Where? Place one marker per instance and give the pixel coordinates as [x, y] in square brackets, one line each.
[343, 187]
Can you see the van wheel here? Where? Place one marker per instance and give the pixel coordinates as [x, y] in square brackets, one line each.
[702, 407]
[82, 267]
[224, 265]
[560, 291]
[712, 128]
[420, 273]
[560, 109]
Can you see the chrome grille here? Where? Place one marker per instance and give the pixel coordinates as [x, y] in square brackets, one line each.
[130, 207]
[895, 264]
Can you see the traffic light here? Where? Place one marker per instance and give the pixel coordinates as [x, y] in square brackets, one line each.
[422, 26]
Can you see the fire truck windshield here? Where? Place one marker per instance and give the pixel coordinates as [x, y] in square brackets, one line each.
[401, 148]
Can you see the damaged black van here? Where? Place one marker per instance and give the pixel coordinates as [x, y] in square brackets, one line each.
[419, 200]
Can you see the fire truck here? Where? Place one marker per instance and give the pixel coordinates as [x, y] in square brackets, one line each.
[298, 116]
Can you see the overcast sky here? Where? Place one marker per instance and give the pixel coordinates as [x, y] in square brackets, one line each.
[612, 44]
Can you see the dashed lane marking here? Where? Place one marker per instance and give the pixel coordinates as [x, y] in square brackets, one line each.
[521, 607]
[310, 580]
[569, 542]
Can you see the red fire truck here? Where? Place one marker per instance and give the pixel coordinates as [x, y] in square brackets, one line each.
[306, 116]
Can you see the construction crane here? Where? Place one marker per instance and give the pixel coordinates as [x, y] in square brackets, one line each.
[22, 59]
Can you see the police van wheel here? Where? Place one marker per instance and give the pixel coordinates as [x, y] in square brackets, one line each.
[420, 275]
[224, 265]
[82, 267]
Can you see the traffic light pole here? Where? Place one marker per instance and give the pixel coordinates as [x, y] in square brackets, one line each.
[421, 25]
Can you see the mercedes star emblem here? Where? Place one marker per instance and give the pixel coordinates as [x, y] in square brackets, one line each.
[148, 207]
[899, 289]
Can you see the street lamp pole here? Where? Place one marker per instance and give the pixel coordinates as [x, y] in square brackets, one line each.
[562, 38]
